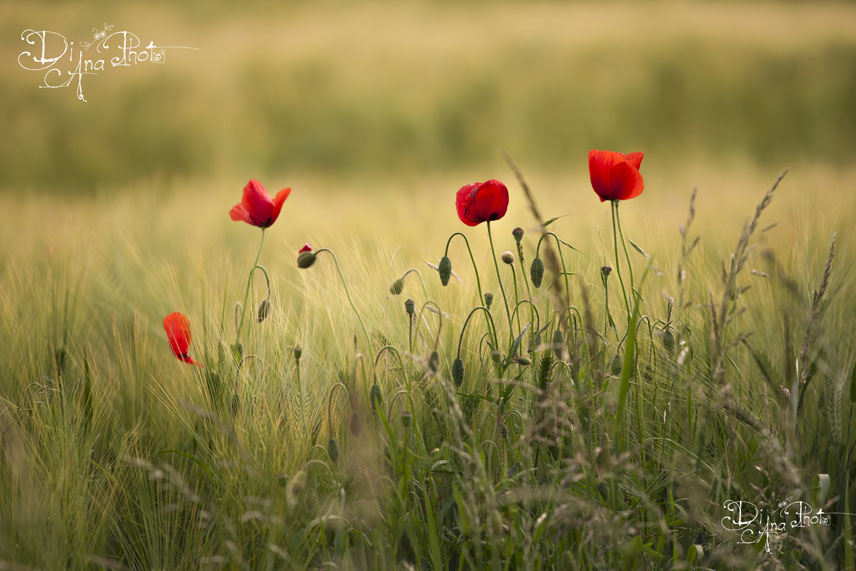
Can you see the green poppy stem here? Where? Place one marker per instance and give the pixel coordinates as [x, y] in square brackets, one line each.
[249, 287]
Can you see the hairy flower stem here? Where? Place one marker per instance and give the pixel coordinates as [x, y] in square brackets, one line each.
[501, 287]
[626, 255]
[614, 205]
[249, 287]
[348, 294]
[476, 270]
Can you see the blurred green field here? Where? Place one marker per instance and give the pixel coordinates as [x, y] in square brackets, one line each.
[393, 89]
[115, 455]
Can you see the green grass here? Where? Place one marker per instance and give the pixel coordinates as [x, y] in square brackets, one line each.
[117, 455]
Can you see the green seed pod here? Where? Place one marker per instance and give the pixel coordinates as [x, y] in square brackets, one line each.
[615, 367]
[518, 234]
[445, 270]
[306, 259]
[434, 361]
[488, 299]
[409, 306]
[536, 272]
[558, 343]
[458, 372]
[524, 361]
[397, 286]
[507, 257]
[669, 340]
[406, 419]
[264, 310]
[333, 450]
[298, 351]
[375, 397]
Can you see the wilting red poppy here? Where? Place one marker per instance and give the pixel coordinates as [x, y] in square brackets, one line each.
[178, 333]
[306, 248]
[615, 176]
[481, 201]
[257, 207]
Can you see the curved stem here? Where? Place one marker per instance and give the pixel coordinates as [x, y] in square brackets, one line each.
[249, 287]
[467, 320]
[499, 278]
[348, 294]
[476, 270]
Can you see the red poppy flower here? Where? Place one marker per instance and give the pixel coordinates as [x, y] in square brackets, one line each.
[257, 207]
[306, 248]
[481, 201]
[177, 328]
[615, 176]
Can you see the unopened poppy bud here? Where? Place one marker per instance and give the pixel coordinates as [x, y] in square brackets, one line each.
[507, 257]
[333, 449]
[615, 367]
[648, 374]
[458, 372]
[264, 310]
[397, 286]
[536, 272]
[558, 343]
[305, 259]
[409, 306]
[605, 270]
[488, 299]
[518, 234]
[497, 357]
[406, 419]
[669, 340]
[298, 351]
[445, 270]
[434, 361]
[524, 361]
[375, 396]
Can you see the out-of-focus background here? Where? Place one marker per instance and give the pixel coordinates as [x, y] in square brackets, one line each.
[401, 91]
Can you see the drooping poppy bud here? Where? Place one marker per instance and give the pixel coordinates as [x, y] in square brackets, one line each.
[668, 340]
[264, 310]
[257, 207]
[615, 176]
[558, 343]
[406, 419]
[355, 425]
[434, 361]
[525, 361]
[445, 270]
[507, 257]
[536, 272]
[177, 328]
[397, 286]
[458, 372]
[375, 397]
[488, 299]
[648, 373]
[333, 449]
[481, 202]
[615, 366]
[305, 257]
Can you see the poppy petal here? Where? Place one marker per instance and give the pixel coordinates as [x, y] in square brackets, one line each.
[277, 202]
[239, 212]
[635, 159]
